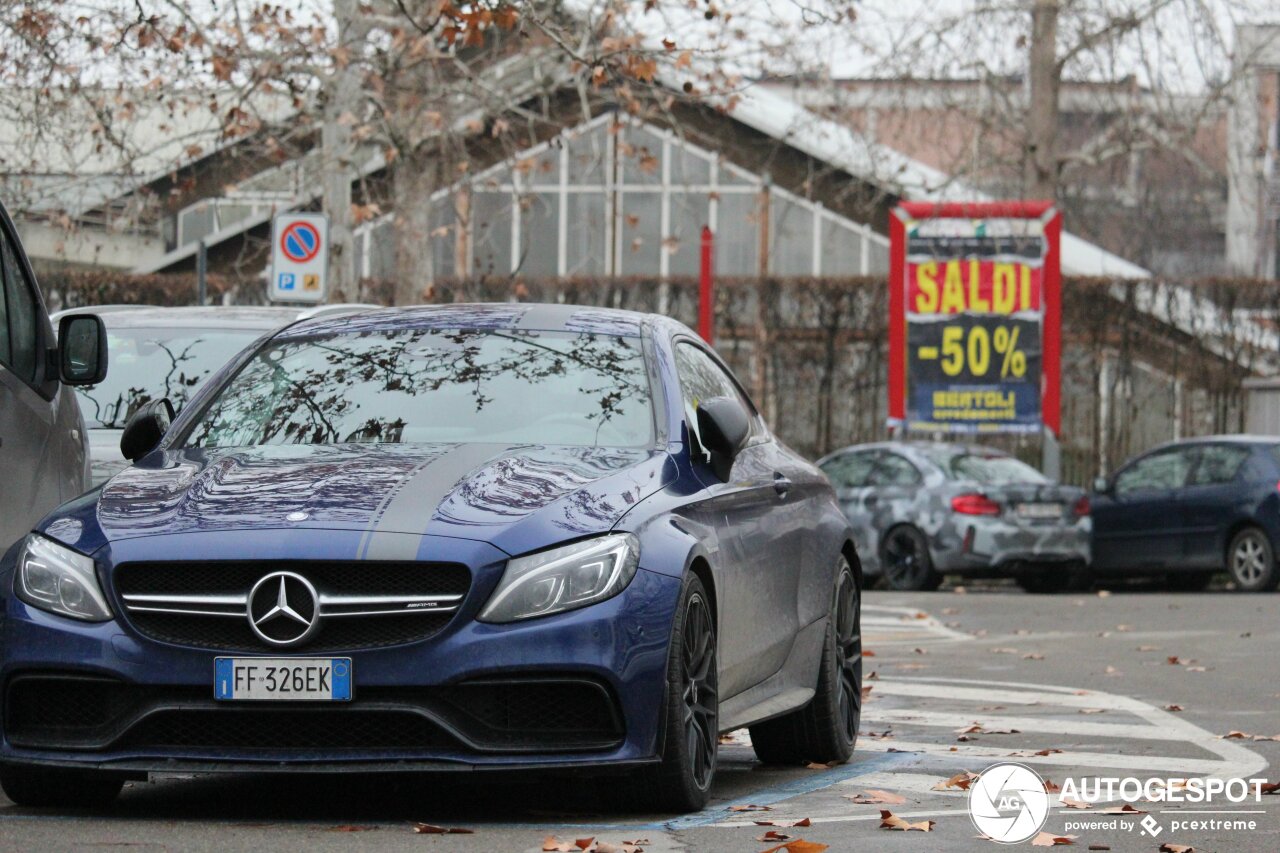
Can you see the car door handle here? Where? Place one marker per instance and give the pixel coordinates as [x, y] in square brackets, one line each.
[781, 484]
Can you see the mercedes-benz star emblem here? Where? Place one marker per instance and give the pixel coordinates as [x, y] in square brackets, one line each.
[283, 609]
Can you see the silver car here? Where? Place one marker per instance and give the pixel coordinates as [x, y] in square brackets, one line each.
[168, 352]
[921, 510]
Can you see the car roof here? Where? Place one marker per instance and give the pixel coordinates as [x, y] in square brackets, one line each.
[254, 317]
[955, 448]
[498, 315]
[1245, 438]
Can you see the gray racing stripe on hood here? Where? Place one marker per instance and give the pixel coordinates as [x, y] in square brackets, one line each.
[409, 508]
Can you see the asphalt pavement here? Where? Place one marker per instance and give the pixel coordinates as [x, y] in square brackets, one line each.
[1125, 683]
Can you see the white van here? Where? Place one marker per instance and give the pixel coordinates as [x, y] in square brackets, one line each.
[44, 458]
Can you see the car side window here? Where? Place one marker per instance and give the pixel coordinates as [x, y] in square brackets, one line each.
[894, 470]
[701, 379]
[1219, 463]
[21, 315]
[850, 471]
[1164, 470]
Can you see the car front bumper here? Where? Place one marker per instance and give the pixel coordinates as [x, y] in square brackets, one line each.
[582, 689]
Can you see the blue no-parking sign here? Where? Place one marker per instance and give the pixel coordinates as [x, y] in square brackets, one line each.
[299, 257]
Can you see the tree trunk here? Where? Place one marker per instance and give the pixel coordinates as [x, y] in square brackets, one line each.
[1044, 77]
[413, 181]
[342, 103]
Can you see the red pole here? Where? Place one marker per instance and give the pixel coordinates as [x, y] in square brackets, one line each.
[706, 297]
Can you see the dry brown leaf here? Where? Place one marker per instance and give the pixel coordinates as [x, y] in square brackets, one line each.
[750, 808]
[1092, 711]
[867, 653]
[432, 829]
[804, 821]
[1033, 656]
[1048, 751]
[1174, 708]
[1266, 737]
[889, 820]
[1051, 787]
[1069, 803]
[1269, 788]
[585, 843]
[1170, 847]
[813, 765]
[961, 780]
[875, 798]
[551, 844]
[774, 835]
[1048, 839]
[799, 845]
[1235, 735]
[1173, 660]
[350, 827]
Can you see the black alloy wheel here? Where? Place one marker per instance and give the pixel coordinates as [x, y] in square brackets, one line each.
[826, 729]
[689, 744]
[905, 560]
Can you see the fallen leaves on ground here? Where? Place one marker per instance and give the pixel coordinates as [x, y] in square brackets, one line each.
[867, 653]
[804, 821]
[961, 780]
[1174, 708]
[1004, 650]
[750, 808]
[1048, 839]
[876, 798]
[773, 835]
[866, 692]
[815, 765]
[551, 844]
[1051, 787]
[920, 651]
[799, 845]
[977, 729]
[1170, 847]
[1069, 803]
[1270, 788]
[350, 827]
[889, 820]
[1173, 660]
[1033, 656]
[432, 829]
[1092, 711]
[887, 733]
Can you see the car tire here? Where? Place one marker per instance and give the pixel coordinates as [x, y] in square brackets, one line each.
[905, 562]
[40, 787]
[681, 783]
[1251, 561]
[826, 730]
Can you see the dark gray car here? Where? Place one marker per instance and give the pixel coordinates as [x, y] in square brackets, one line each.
[920, 510]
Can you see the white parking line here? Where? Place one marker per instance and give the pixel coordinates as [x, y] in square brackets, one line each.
[883, 625]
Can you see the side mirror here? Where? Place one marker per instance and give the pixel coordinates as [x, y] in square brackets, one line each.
[724, 427]
[145, 429]
[1101, 486]
[82, 349]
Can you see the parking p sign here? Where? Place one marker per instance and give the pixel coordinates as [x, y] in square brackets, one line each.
[299, 257]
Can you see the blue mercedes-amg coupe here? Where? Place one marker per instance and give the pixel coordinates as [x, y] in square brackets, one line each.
[455, 537]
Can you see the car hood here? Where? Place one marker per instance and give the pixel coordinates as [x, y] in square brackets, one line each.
[519, 498]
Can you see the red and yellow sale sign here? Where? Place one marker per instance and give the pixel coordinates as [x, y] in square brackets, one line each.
[974, 317]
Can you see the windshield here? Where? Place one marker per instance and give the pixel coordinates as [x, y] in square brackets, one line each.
[988, 468]
[435, 385]
[149, 363]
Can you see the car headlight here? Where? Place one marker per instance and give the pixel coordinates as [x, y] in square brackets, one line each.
[564, 578]
[59, 580]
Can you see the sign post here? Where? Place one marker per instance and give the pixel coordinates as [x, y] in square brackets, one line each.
[299, 258]
[975, 318]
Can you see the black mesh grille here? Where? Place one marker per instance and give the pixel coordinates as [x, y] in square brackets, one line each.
[71, 712]
[348, 633]
[272, 728]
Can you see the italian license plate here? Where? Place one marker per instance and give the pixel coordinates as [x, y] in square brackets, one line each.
[282, 679]
[1040, 511]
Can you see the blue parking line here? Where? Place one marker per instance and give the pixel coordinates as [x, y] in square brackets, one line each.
[808, 783]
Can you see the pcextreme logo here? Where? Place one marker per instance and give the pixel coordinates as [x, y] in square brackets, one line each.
[1008, 802]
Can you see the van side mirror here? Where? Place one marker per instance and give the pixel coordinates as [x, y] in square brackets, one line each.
[82, 349]
[145, 428]
[1101, 486]
[723, 426]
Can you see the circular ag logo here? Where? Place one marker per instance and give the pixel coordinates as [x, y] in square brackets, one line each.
[284, 609]
[1008, 802]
